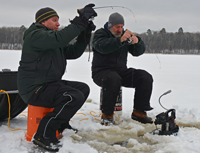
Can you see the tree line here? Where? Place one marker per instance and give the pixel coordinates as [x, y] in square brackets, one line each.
[11, 37]
[171, 43]
[161, 41]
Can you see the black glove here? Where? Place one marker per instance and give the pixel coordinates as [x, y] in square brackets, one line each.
[80, 21]
[85, 35]
[91, 27]
[87, 12]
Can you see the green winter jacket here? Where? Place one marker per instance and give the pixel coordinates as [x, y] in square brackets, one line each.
[44, 55]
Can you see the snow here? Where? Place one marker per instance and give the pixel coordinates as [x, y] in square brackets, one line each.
[178, 73]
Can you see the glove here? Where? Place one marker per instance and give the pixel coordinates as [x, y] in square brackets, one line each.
[87, 12]
[91, 27]
[80, 21]
[85, 36]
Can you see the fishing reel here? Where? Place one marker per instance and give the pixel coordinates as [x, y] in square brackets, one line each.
[167, 122]
[129, 41]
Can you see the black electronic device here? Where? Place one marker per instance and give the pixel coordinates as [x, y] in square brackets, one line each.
[167, 121]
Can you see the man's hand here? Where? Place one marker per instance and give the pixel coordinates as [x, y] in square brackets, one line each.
[85, 36]
[87, 12]
[91, 27]
[128, 35]
[134, 39]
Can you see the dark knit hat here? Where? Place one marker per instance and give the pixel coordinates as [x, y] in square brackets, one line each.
[44, 14]
[115, 19]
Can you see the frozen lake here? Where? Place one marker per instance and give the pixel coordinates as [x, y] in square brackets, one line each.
[178, 73]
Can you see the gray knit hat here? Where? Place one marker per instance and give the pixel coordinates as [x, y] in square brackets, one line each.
[115, 19]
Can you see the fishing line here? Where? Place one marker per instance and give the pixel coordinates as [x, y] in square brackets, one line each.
[116, 6]
[156, 57]
[159, 61]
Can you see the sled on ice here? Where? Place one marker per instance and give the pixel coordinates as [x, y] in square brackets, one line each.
[8, 85]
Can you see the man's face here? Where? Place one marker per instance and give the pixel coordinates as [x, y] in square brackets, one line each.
[116, 30]
[52, 23]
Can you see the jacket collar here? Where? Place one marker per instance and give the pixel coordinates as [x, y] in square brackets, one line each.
[38, 25]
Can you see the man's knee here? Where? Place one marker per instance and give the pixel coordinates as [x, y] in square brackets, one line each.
[76, 99]
[147, 77]
[112, 80]
[86, 90]
[80, 98]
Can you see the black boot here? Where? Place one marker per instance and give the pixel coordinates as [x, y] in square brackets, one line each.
[66, 126]
[48, 144]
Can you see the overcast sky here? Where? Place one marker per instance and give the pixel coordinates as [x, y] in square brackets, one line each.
[149, 14]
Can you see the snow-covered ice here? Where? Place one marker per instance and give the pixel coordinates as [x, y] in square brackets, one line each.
[178, 73]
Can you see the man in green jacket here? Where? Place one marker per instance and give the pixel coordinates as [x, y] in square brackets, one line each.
[111, 46]
[42, 65]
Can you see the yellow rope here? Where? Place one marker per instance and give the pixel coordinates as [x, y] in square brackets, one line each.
[9, 111]
[27, 111]
[118, 118]
[97, 119]
[83, 119]
[100, 115]
[81, 113]
[92, 114]
[22, 115]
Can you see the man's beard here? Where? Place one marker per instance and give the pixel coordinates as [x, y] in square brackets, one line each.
[115, 34]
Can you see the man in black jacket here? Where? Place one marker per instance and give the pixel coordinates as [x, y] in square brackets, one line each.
[111, 46]
[42, 65]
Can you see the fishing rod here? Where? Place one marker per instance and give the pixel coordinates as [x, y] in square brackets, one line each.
[116, 6]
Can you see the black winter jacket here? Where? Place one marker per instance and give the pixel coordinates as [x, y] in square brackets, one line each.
[110, 53]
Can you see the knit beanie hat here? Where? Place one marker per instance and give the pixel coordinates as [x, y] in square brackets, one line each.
[44, 14]
[115, 19]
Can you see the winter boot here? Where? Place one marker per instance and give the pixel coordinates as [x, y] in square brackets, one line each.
[48, 144]
[66, 126]
[107, 119]
[63, 127]
[141, 116]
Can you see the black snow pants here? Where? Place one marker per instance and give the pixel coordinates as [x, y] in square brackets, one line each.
[111, 81]
[66, 97]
